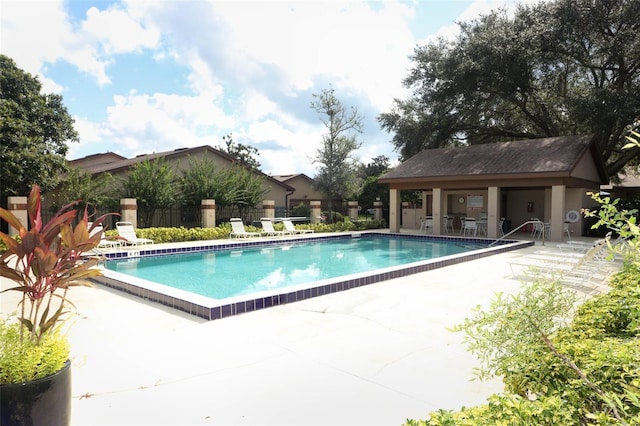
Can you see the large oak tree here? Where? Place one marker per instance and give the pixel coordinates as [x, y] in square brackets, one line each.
[556, 68]
[34, 131]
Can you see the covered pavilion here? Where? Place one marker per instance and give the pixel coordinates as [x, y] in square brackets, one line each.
[546, 179]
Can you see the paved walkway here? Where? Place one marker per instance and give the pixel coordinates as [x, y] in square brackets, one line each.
[374, 355]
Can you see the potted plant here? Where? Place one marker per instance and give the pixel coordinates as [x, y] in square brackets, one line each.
[44, 263]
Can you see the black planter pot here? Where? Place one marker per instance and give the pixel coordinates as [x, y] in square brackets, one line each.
[45, 401]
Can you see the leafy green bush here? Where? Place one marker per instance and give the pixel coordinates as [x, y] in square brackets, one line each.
[22, 360]
[506, 410]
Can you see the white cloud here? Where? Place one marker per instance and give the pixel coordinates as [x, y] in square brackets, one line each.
[117, 32]
[140, 123]
[347, 43]
[35, 33]
[251, 69]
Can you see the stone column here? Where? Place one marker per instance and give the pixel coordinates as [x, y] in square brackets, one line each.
[269, 208]
[18, 206]
[208, 213]
[129, 211]
[316, 211]
[353, 210]
[377, 210]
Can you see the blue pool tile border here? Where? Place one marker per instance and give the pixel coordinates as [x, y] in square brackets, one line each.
[212, 309]
[145, 252]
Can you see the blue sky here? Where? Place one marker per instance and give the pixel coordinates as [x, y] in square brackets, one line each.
[150, 76]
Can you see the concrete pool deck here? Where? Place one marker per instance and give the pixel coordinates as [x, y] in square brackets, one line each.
[373, 355]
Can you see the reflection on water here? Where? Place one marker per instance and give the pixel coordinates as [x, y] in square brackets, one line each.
[224, 274]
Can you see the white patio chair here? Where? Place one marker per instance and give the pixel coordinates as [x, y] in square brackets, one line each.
[426, 224]
[470, 227]
[447, 224]
[127, 234]
[238, 231]
[104, 242]
[269, 230]
[288, 226]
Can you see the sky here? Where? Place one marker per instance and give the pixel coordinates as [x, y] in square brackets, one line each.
[150, 76]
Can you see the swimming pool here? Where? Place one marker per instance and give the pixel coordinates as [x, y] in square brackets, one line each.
[223, 279]
[227, 273]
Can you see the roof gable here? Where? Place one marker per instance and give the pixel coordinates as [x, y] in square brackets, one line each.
[555, 156]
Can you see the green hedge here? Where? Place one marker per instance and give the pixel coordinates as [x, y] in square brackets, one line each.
[168, 235]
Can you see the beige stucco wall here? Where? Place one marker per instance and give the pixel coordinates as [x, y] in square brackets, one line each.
[586, 169]
[304, 190]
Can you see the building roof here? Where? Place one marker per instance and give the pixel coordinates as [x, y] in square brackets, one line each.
[287, 178]
[557, 156]
[125, 163]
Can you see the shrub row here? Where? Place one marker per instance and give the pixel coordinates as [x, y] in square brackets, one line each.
[168, 235]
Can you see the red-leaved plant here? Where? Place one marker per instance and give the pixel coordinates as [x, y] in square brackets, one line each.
[46, 261]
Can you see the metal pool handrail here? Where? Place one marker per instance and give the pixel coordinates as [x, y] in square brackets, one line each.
[517, 229]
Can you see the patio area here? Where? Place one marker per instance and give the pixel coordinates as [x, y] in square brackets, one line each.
[373, 355]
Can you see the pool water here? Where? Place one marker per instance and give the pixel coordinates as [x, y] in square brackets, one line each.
[227, 273]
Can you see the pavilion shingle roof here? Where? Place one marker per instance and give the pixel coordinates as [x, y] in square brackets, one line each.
[548, 155]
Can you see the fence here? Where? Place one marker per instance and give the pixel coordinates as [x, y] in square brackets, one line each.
[190, 216]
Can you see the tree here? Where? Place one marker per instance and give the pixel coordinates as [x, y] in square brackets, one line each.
[372, 190]
[377, 167]
[34, 131]
[244, 153]
[202, 181]
[242, 188]
[85, 189]
[556, 68]
[337, 174]
[237, 185]
[153, 184]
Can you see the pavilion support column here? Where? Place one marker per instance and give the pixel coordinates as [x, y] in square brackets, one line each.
[493, 211]
[394, 210]
[437, 209]
[557, 212]
[423, 210]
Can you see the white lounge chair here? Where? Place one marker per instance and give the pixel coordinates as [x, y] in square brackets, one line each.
[269, 230]
[104, 242]
[582, 247]
[127, 234]
[238, 231]
[570, 267]
[288, 225]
